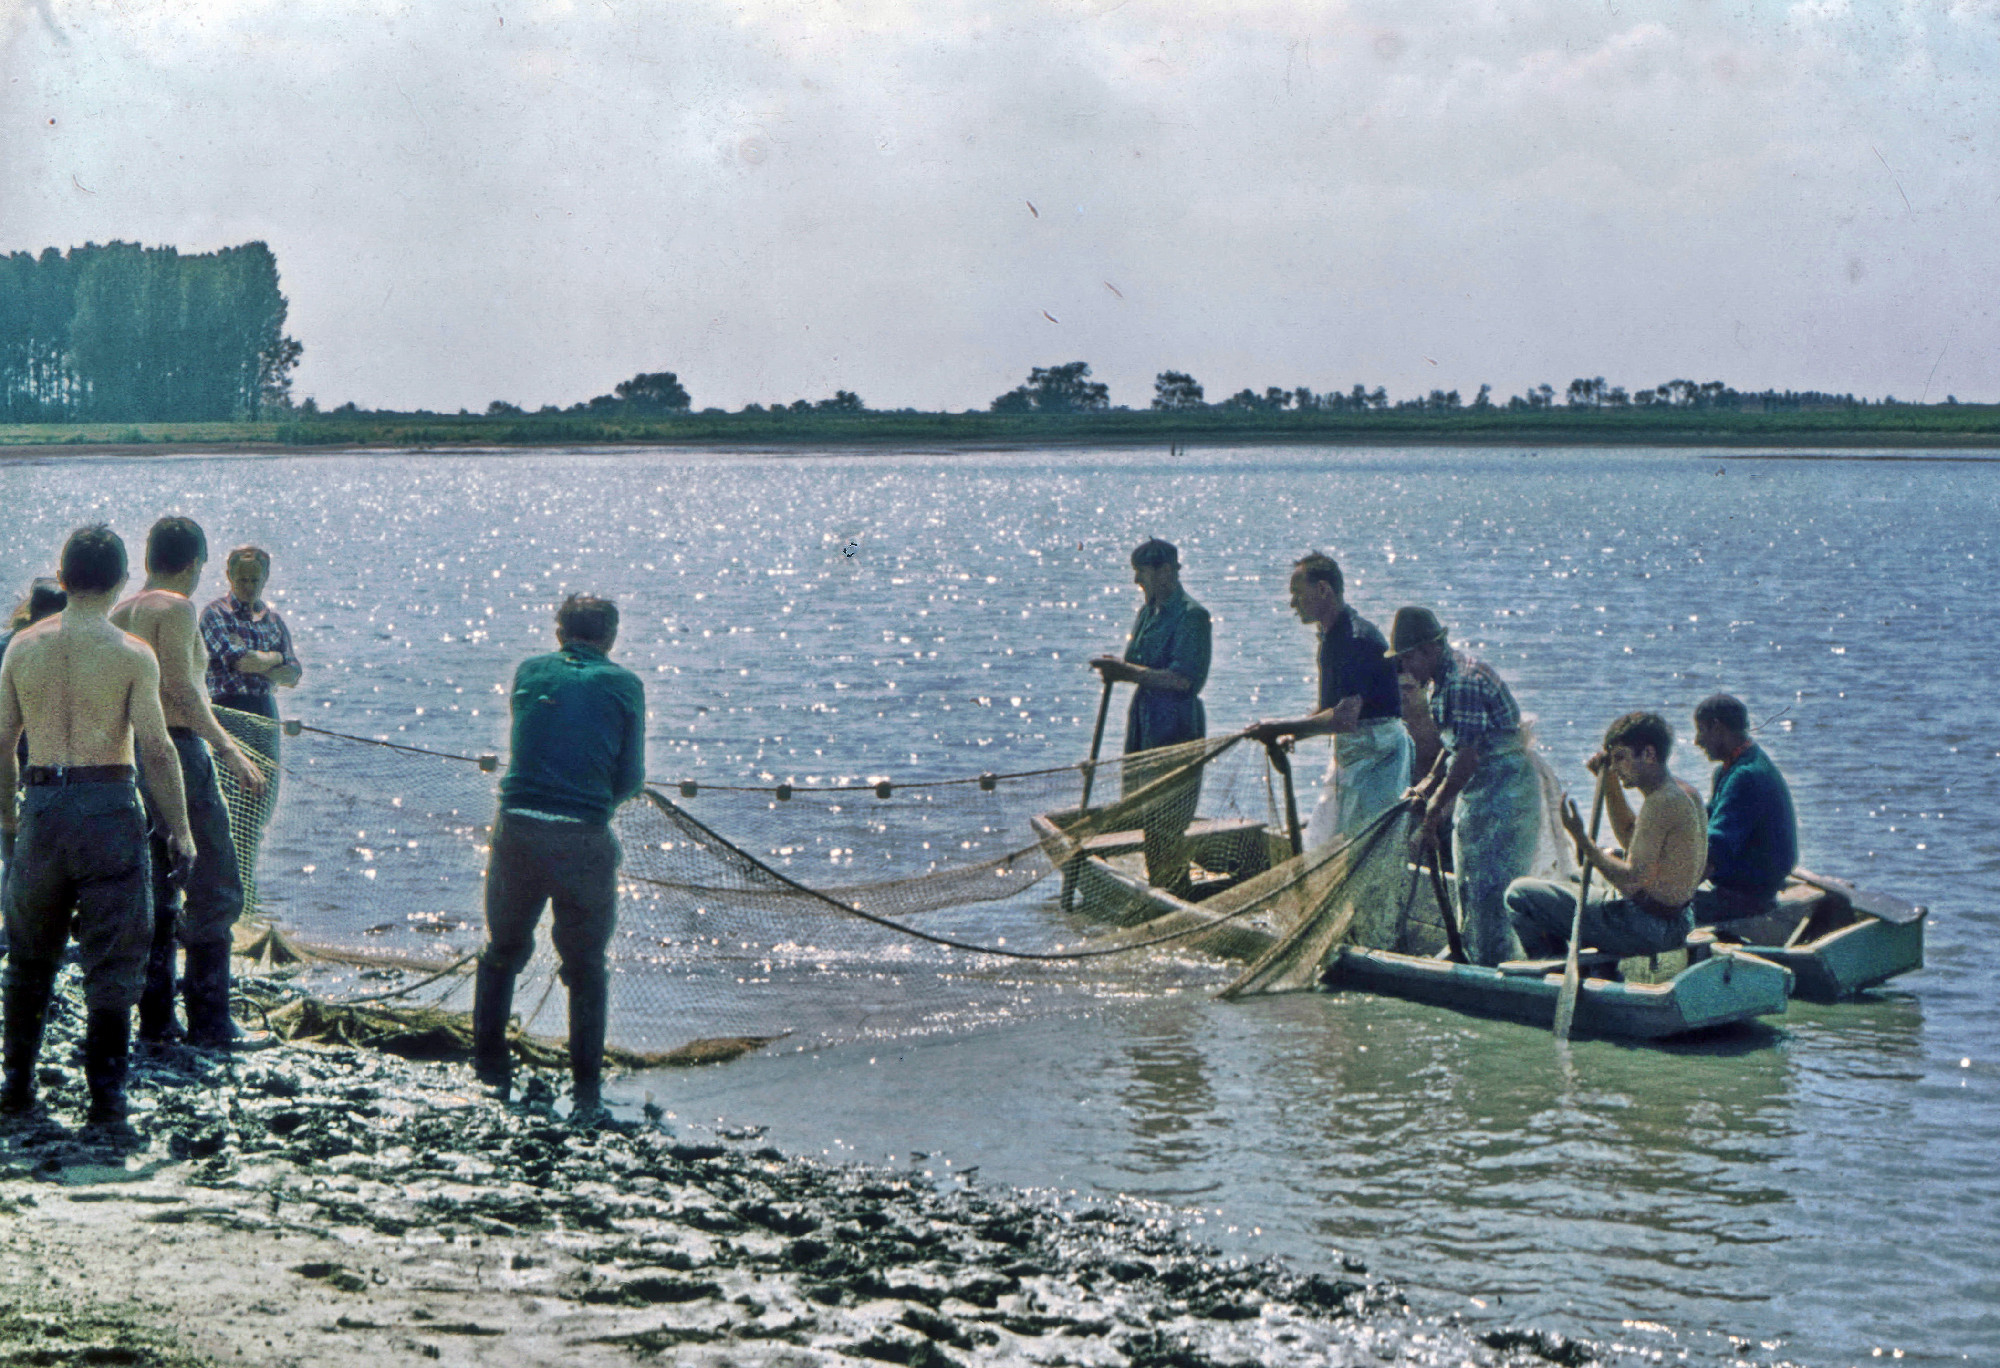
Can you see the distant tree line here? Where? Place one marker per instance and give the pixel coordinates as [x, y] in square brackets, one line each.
[126, 333]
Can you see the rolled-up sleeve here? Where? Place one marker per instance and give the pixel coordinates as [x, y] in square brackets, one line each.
[1193, 641]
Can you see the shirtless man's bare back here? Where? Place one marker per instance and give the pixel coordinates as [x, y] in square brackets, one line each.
[88, 696]
[202, 913]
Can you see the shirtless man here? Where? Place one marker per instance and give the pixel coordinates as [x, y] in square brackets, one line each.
[1666, 846]
[85, 693]
[162, 616]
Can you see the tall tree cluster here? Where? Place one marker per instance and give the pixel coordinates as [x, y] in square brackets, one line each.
[125, 333]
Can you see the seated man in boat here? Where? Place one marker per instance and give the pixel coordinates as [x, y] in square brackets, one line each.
[1167, 659]
[1483, 768]
[1753, 834]
[578, 751]
[1648, 907]
[1359, 704]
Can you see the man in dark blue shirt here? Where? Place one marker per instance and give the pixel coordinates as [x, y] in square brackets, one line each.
[1359, 703]
[579, 750]
[1753, 835]
[1167, 658]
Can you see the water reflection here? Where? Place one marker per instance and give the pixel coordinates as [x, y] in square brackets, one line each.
[1828, 1190]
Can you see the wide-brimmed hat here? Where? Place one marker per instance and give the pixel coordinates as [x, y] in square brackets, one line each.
[1412, 628]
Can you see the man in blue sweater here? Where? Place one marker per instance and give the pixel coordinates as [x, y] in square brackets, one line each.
[578, 751]
[1753, 835]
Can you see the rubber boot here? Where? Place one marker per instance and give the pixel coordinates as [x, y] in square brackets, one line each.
[156, 1004]
[589, 996]
[107, 1033]
[205, 991]
[29, 984]
[492, 1008]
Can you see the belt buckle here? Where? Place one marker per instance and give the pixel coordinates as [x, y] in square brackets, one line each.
[61, 774]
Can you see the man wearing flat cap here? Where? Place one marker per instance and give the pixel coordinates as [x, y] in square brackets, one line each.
[1484, 768]
[1167, 659]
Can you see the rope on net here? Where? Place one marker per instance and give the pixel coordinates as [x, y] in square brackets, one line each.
[732, 907]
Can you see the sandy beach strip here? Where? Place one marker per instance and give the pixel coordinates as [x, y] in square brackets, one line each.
[308, 1205]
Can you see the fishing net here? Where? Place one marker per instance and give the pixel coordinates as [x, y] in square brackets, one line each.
[834, 908]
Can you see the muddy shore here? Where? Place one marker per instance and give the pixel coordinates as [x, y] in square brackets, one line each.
[308, 1205]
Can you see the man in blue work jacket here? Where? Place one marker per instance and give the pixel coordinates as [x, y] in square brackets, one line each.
[1753, 832]
[1167, 659]
[579, 750]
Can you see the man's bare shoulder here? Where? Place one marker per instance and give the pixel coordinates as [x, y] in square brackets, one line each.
[147, 611]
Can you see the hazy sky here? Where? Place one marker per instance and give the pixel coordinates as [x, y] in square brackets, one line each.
[531, 200]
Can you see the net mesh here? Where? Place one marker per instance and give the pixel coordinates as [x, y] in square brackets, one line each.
[825, 912]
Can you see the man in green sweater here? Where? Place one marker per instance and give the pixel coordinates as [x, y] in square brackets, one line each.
[578, 751]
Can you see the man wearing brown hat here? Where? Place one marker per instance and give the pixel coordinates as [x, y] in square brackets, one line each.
[1167, 659]
[1483, 769]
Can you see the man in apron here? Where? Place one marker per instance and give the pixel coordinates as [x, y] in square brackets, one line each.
[1483, 778]
[1359, 704]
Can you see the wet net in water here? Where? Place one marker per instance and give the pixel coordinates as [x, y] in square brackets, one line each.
[826, 912]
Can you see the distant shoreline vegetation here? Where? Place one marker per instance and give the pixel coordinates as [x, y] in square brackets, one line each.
[1061, 406]
[124, 346]
[1903, 425]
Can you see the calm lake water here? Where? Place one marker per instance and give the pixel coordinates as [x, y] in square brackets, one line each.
[1819, 1193]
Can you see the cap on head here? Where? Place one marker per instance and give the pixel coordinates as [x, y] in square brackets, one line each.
[1153, 551]
[1412, 628]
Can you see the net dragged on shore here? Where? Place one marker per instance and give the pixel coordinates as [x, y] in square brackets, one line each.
[811, 913]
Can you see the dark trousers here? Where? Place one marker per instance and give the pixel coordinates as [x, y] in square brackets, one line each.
[80, 865]
[205, 911]
[1542, 911]
[570, 865]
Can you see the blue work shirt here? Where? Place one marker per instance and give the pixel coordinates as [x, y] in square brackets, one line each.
[1753, 834]
[1173, 634]
[579, 738]
[1354, 659]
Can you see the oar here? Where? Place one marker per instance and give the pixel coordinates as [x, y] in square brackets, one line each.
[1453, 942]
[1282, 763]
[1572, 971]
[1096, 744]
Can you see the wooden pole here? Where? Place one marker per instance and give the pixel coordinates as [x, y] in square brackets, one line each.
[1096, 744]
[1572, 972]
[1282, 763]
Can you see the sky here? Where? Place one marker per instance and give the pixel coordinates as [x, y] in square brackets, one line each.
[531, 200]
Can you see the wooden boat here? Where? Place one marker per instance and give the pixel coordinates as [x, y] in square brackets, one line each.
[1715, 986]
[1835, 938]
[1712, 984]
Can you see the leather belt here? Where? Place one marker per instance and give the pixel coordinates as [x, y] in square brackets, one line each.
[36, 776]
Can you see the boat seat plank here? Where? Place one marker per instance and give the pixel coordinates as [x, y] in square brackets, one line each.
[1585, 960]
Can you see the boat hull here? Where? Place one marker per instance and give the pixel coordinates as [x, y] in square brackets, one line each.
[1838, 940]
[1727, 988]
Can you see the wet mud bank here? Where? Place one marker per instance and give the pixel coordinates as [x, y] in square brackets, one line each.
[310, 1205]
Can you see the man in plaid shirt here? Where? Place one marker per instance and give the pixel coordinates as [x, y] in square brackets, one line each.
[249, 646]
[1484, 769]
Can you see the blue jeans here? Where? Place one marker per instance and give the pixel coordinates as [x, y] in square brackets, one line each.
[1541, 911]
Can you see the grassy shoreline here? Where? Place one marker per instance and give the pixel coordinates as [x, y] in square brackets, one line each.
[1969, 426]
